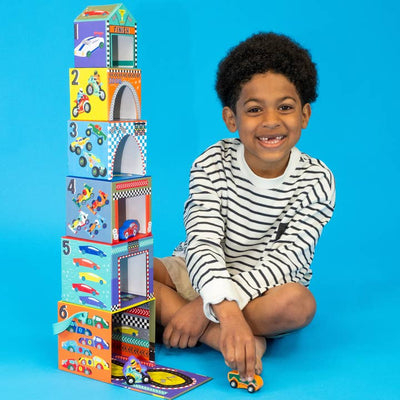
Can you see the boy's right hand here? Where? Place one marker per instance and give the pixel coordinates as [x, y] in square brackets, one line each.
[237, 342]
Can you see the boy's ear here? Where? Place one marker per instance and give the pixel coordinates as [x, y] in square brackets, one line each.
[306, 114]
[229, 118]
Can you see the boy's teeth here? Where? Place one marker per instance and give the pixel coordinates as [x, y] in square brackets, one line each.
[271, 138]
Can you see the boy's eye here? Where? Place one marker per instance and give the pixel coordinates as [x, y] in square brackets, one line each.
[286, 107]
[254, 109]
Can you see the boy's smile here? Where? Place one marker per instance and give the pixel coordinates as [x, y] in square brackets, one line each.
[269, 118]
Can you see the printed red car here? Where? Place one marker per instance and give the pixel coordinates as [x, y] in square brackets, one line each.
[84, 262]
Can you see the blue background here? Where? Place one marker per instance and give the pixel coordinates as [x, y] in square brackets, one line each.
[351, 350]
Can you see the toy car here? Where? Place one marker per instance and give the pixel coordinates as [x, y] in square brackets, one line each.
[96, 341]
[84, 262]
[130, 228]
[135, 372]
[236, 382]
[91, 301]
[94, 163]
[92, 13]
[81, 287]
[73, 347]
[88, 45]
[92, 250]
[126, 330]
[96, 226]
[77, 145]
[73, 327]
[96, 130]
[91, 277]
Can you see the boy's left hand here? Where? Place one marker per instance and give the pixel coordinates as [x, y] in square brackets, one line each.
[186, 326]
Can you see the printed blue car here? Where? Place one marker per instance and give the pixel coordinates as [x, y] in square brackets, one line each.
[74, 347]
[92, 250]
[91, 301]
[73, 327]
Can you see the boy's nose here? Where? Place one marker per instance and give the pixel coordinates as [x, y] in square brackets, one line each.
[270, 120]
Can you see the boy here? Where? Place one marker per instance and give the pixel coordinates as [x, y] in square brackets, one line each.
[255, 211]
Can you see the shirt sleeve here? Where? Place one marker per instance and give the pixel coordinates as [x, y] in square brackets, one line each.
[205, 231]
[287, 257]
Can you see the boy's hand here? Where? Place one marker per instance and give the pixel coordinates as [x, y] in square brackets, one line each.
[186, 326]
[237, 342]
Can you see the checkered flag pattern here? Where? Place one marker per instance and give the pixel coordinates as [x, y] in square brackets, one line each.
[130, 320]
[131, 193]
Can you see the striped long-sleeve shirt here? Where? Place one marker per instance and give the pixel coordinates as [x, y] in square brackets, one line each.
[246, 234]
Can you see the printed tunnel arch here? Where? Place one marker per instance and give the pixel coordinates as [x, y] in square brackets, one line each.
[129, 157]
[125, 104]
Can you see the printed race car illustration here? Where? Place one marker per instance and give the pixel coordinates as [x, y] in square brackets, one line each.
[88, 276]
[130, 228]
[126, 330]
[73, 347]
[73, 365]
[77, 223]
[94, 163]
[92, 13]
[252, 386]
[81, 287]
[84, 262]
[87, 193]
[96, 341]
[96, 130]
[91, 301]
[88, 45]
[92, 250]
[101, 201]
[77, 145]
[74, 328]
[98, 322]
[96, 226]
[135, 372]
[96, 362]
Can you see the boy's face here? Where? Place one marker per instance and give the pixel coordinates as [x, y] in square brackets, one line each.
[269, 117]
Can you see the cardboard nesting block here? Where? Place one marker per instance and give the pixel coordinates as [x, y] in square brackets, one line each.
[107, 277]
[105, 36]
[107, 149]
[92, 341]
[108, 211]
[104, 94]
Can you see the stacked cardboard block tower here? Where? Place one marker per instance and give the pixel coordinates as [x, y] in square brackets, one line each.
[106, 318]
[107, 254]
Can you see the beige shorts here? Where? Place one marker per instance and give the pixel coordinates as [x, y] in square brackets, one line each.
[176, 267]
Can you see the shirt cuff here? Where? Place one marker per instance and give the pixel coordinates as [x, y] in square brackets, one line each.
[217, 291]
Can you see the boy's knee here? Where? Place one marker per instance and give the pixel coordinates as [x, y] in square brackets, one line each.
[297, 305]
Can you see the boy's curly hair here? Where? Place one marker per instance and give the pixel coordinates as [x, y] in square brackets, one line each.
[259, 54]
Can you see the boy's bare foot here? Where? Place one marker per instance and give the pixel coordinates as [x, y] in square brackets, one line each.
[261, 347]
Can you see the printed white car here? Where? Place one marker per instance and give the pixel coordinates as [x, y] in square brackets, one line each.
[88, 46]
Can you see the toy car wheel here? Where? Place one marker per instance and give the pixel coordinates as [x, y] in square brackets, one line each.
[71, 367]
[94, 294]
[87, 107]
[134, 233]
[82, 161]
[88, 54]
[101, 282]
[83, 362]
[89, 146]
[104, 226]
[86, 353]
[75, 112]
[78, 150]
[126, 235]
[99, 366]
[251, 389]
[146, 379]
[100, 141]
[83, 278]
[102, 95]
[88, 132]
[71, 349]
[130, 380]
[233, 384]
[103, 172]
[72, 148]
[87, 371]
[95, 172]
[99, 346]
